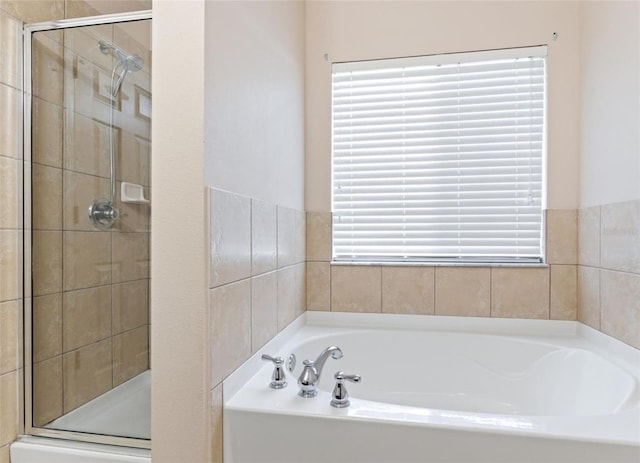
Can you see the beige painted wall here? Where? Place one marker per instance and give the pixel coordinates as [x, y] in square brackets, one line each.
[254, 153]
[254, 93]
[610, 102]
[353, 30]
[180, 397]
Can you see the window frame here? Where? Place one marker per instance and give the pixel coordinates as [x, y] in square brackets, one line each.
[539, 51]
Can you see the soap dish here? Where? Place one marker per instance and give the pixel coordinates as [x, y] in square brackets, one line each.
[132, 193]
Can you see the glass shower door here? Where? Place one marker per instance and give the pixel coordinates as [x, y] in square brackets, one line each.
[89, 218]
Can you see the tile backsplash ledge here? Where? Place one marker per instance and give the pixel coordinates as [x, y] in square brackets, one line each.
[513, 292]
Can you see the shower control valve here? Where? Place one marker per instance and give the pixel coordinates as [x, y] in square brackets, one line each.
[278, 376]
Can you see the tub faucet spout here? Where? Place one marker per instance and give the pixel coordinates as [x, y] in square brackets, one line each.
[310, 376]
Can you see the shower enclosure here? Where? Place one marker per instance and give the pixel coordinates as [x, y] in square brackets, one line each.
[87, 87]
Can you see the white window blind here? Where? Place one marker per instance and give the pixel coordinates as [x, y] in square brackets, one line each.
[440, 157]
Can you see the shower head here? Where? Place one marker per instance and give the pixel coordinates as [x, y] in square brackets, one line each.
[128, 63]
[133, 63]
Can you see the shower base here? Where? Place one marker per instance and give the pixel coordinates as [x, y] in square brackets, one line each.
[123, 411]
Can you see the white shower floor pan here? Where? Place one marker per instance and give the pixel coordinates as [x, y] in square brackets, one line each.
[124, 411]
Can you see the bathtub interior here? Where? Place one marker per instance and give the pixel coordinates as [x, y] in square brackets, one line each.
[430, 383]
[479, 373]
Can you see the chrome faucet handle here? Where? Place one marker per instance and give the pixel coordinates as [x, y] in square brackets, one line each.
[278, 377]
[340, 396]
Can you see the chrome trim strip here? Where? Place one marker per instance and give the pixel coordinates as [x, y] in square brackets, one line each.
[27, 379]
[88, 21]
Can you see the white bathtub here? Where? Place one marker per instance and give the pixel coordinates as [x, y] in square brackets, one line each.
[441, 389]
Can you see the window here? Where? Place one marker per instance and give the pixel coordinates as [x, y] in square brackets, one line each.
[440, 158]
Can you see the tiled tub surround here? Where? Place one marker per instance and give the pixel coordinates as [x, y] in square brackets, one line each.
[609, 269]
[90, 288]
[257, 282]
[512, 292]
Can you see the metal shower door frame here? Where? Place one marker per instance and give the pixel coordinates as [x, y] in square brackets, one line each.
[28, 31]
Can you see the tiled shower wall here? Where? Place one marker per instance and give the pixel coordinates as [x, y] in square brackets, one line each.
[609, 269]
[12, 14]
[257, 282]
[11, 236]
[90, 287]
[544, 292]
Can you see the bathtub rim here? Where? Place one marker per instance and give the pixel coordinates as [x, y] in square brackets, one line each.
[625, 356]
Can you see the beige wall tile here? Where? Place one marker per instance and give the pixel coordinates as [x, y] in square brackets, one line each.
[134, 217]
[46, 133]
[620, 238]
[4, 454]
[264, 309]
[10, 193]
[564, 292]
[356, 289]
[34, 10]
[286, 236]
[10, 122]
[47, 262]
[216, 422]
[86, 90]
[589, 236]
[47, 68]
[408, 290]
[130, 256]
[86, 316]
[520, 292]
[562, 236]
[130, 305]
[47, 391]
[264, 237]
[230, 237]
[47, 327]
[10, 264]
[318, 286]
[291, 294]
[10, 407]
[130, 354]
[46, 198]
[319, 236]
[87, 373]
[80, 191]
[87, 259]
[300, 279]
[134, 159]
[9, 261]
[78, 9]
[230, 328]
[589, 296]
[300, 237]
[11, 51]
[463, 291]
[83, 41]
[10, 329]
[620, 306]
[86, 144]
